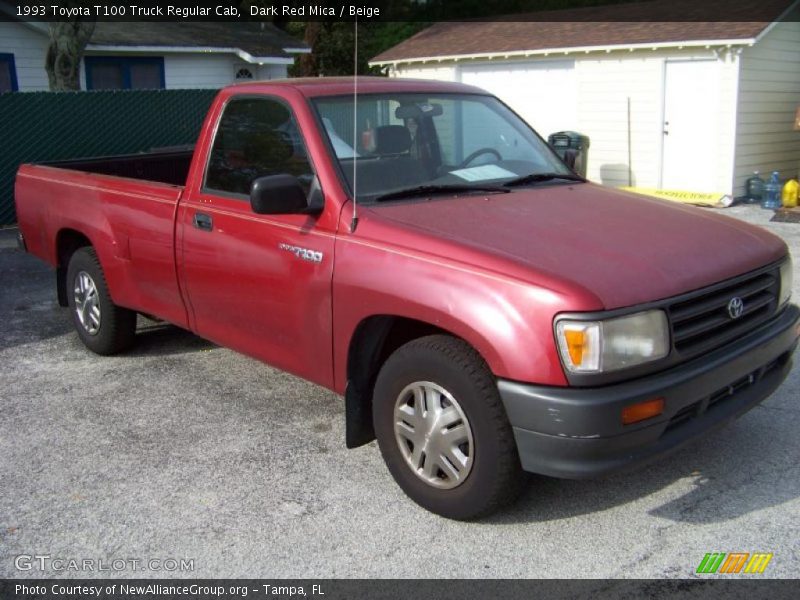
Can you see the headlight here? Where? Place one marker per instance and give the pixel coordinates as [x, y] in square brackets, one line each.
[786, 282]
[612, 344]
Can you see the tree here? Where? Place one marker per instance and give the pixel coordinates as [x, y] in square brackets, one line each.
[306, 64]
[332, 45]
[68, 41]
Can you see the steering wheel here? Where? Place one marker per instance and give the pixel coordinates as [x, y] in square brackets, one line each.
[477, 153]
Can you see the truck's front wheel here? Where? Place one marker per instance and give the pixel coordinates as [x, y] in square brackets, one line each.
[443, 431]
[103, 327]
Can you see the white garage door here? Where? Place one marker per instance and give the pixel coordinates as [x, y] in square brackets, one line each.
[543, 93]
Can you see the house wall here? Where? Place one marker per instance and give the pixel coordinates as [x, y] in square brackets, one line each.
[603, 83]
[769, 93]
[28, 48]
[272, 72]
[440, 71]
[202, 71]
[198, 71]
[181, 71]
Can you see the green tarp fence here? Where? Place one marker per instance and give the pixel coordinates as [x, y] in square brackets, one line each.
[44, 126]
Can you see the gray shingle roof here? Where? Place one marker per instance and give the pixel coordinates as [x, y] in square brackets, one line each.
[637, 23]
[257, 39]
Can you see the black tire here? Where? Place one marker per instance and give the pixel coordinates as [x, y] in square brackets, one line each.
[495, 477]
[117, 326]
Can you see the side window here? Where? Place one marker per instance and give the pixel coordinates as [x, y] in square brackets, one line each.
[256, 137]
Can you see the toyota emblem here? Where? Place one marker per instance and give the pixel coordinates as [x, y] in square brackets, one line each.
[735, 307]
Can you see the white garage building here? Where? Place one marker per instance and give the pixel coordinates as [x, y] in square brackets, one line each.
[687, 106]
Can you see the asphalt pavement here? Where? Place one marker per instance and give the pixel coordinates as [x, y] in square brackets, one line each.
[182, 451]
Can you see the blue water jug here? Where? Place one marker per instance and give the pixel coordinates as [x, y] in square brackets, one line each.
[772, 193]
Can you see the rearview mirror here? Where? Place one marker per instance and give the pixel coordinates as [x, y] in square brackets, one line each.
[418, 111]
[278, 195]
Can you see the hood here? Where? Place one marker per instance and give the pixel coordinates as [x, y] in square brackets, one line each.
[624, 248]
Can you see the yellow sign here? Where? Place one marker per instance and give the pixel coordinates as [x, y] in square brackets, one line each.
[715, 199]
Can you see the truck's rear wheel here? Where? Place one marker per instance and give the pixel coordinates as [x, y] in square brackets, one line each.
[443, 431]
[103, 327]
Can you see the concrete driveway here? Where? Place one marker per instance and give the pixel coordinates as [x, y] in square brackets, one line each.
[182, 450]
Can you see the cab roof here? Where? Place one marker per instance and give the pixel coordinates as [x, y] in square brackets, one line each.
[339, 86]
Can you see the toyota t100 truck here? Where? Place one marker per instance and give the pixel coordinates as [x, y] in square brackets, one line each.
[418, 249]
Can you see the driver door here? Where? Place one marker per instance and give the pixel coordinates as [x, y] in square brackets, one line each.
[247, 287]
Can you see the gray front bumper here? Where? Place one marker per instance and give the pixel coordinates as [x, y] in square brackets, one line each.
[577, 433]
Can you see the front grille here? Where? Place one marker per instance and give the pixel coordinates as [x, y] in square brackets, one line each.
[702, 322]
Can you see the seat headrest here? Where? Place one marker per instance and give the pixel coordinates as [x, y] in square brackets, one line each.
[392, 139]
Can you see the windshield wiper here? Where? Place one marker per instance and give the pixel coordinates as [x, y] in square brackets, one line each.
[439, 189]
[540, 177]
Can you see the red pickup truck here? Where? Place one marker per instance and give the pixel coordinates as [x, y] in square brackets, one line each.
[421, 251]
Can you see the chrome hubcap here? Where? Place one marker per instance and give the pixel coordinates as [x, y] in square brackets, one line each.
[433, 434]
[87, 303]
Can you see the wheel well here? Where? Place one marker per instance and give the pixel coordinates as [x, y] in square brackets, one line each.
[68, 241]
[374, 340]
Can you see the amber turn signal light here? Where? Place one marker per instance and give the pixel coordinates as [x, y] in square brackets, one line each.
[576, 345]
[643, 410]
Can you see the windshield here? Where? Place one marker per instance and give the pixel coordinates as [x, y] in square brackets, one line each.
[426, 141]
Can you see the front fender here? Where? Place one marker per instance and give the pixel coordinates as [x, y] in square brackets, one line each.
[508, 321]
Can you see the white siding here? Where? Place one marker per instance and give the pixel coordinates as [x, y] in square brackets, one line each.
[29, 48]
[201, 71]
[443, 72]
[180, 70]
[187, 71]
[272, 72]
[603, 84]
[212, 71]
[769, 92]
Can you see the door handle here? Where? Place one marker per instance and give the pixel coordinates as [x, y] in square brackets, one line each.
[203, 221]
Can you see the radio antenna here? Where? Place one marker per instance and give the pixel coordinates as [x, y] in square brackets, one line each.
[354, 221]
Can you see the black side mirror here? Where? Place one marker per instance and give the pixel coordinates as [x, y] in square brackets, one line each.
[278, 195]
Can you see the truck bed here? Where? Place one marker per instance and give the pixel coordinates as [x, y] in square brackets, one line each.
[125, 207]
[163, 165]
